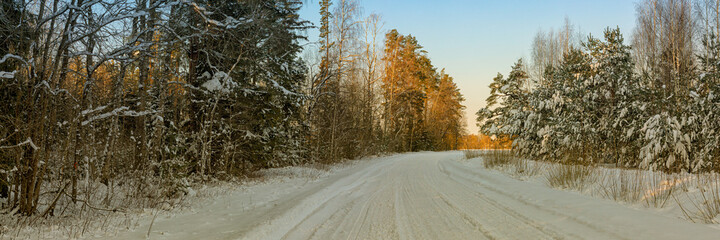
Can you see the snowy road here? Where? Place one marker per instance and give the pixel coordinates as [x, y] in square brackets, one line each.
[417, 196]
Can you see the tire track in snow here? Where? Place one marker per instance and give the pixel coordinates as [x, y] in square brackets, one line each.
[506, 210]
[279, 226]
[482, 229]
[509, 197]
[528, 227]
[497, 206]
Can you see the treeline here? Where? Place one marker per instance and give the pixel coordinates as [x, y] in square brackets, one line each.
[134, 99]
[652, 105]
[475, 141]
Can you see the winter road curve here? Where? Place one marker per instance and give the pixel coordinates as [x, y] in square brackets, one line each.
[417, 196]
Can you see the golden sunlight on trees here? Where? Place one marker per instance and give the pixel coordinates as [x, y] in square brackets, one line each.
[475, 141]
[422, 107]
[367, 98]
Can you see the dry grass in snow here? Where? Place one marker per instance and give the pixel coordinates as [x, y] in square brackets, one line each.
[570, 176]
[694, 197]
[472, 153]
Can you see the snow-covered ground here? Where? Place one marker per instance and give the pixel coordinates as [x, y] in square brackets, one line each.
[411, 196]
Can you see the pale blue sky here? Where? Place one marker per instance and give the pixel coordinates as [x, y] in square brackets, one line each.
[475, 39]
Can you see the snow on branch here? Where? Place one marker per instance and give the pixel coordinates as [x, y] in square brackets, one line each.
[9, 75]
[121, 111]
[55, 91]
[220, 82]
[8, 56]
[28, 141]
[103, 116]
[88, 111]
[228, 23]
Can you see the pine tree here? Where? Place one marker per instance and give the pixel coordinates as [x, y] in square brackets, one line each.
[246, 93]
[505, 111]
[325, 42]
[704, 108]
[618, 102]
[445, 111]
[409, 74]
